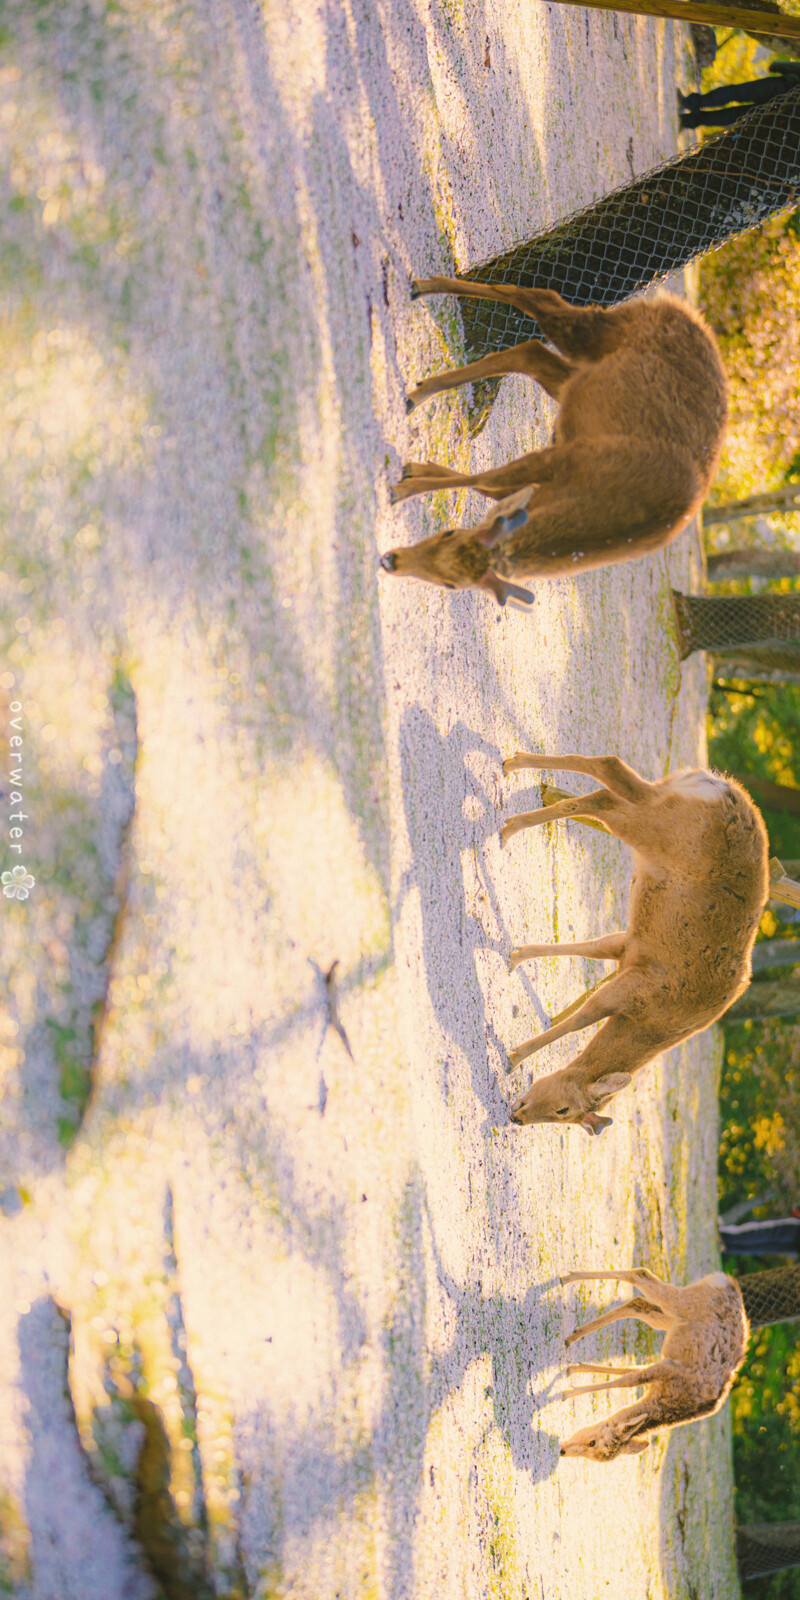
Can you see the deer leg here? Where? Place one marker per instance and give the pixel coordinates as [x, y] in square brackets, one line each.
[550, 794]
[509, 294]
[640, 1310]
[618, 777]
[577, 330]
[594, 1366]
[598, 1004]
[597, 804]
[611, 947]
[666, 1296]
[537, 467]
[425, 469]
[567, 1011]
[580, 332]
[629, 1378]
[531, 359]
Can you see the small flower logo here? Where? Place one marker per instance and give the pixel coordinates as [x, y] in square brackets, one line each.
[17, 883]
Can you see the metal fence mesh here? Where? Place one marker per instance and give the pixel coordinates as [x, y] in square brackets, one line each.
[772, 1296]
[766, 1547]
[728, 624]
[637, 234]
[763, 1547]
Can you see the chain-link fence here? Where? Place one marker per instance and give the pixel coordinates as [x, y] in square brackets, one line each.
[637, 234]
[728, 624]
[772, 1296]
[763, 1547]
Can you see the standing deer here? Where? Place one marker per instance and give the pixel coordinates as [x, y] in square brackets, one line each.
[641, 420]
[707, 1332]
[699, 886]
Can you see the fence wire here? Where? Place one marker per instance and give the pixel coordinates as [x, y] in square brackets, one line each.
[729, 624]
[763, 1547]
[637, 234]
[772, 1296]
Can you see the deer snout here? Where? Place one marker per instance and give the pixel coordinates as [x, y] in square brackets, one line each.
[389, 561]
[516, 1113]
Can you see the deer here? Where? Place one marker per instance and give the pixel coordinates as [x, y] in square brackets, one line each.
[642, 412]
[706, 1339]
[700, 883]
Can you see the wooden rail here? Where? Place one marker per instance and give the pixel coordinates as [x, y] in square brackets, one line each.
[770, 24]
[781, 886]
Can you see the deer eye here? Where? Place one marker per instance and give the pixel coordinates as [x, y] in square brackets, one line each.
[564, 1112]
[447, 533]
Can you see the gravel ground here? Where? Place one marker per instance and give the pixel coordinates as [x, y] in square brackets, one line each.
[281, 1312]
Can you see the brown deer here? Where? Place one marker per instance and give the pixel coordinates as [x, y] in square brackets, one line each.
[707, 1332]
[642, 413]
[699, 886]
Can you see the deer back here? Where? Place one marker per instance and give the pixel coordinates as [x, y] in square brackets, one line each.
[696, 900]
[709, 1345]
[660, 376]
[699, 886]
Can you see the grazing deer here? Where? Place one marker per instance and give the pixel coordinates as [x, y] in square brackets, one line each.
[699, 886]
[707, 1332]
[642, 413]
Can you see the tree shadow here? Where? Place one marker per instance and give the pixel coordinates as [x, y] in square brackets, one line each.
[79, 1550]
[304, 1482]
[228, 244]
[438, 833]
[81, 869]
[505, 1328]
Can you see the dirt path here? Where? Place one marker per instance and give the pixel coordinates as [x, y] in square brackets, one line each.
[311, 1281]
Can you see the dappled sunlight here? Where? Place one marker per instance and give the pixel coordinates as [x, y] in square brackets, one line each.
[72, 414]
[211, 816]
[255, 1138]
[70, 403]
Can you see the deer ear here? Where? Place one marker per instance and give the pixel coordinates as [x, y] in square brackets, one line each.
[610, 1084]
[504, 518]
[504, 591]
[632, 1446]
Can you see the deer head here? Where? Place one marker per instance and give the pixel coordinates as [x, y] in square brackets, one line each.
[603, 1441]
[561, 1097]
[458, 558]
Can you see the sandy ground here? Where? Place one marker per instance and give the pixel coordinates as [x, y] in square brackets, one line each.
[278, 1319]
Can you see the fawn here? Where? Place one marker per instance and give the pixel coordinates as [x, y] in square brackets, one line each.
[699, 886]
[642, 414]
[707, 1332]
